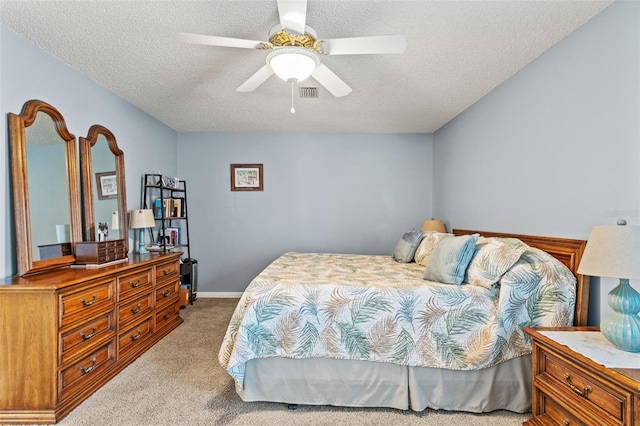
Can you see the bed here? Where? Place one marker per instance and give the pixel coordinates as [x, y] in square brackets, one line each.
[367, 331]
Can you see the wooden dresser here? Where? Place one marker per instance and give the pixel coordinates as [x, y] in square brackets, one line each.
[571, 389]
[65, 333]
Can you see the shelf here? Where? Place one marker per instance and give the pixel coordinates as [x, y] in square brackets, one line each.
[159, 198]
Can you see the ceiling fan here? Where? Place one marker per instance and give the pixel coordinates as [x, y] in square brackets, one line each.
[296, 50]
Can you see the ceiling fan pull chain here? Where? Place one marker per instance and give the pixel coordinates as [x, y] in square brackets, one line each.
[293, 87]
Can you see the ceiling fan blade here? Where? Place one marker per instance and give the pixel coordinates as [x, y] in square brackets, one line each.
[209, 40]
[365, 45]
[293, 15]
[256, 80]
[330, 81]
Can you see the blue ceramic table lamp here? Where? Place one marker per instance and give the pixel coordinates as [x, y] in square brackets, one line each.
[614, 251]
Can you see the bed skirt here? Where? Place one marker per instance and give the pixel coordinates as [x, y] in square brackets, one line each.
[347, 383]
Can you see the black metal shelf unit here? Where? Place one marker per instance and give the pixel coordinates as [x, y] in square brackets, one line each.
[169, 204]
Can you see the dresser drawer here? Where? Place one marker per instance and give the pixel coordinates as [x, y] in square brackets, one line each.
[135, 283]
[128, 339]
[132, 311]
[85, 337]
[603, 398]
[85, 302]
[167, 293]
[167, 315]
[168, 271]
[90, 366]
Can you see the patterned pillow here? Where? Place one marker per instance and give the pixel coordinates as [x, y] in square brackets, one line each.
[450, 259]
[491, 259]
[428, 243]
[406, 247]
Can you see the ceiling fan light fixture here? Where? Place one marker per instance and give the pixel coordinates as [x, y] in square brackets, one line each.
[293, 64]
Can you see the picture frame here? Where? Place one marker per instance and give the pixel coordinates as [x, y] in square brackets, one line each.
[107, 185]
[247, 177]
[170, 182]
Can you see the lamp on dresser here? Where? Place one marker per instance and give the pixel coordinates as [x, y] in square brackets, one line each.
[433, 225]
[141, 219]
[614, 251]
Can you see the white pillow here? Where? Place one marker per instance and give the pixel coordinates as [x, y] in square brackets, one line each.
[428, 243]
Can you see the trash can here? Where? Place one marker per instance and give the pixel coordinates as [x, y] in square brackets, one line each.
[189, 276]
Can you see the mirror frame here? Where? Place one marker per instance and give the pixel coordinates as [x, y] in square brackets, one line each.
[87, 182]
[19, 172]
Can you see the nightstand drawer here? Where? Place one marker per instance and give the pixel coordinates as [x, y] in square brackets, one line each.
[603, 398]
[557, 414]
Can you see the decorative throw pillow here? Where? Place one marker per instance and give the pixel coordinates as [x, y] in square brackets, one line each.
[428, 243]
[406, 247]
[491, 259]
[450, 259]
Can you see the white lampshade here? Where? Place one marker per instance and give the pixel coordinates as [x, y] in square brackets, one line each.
[115, 221]
[141, 219]
[612, 251]
[293, 63]
[433, 225]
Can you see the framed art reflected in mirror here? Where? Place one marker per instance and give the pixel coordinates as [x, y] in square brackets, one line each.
[107, 185]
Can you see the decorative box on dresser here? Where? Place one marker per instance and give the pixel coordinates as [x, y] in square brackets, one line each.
[570, 388]
[67, 332]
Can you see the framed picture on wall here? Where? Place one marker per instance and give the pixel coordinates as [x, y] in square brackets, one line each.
[247, 177]
[107, 185]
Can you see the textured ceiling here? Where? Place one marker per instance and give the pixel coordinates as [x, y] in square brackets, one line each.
[457, 52]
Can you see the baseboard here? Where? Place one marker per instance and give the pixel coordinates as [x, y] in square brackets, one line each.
[219, 294]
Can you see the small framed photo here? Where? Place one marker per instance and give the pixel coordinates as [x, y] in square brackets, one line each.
[246, 177]
[170, 182]
[107, 185]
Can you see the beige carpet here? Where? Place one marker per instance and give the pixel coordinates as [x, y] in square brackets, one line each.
[179, 382]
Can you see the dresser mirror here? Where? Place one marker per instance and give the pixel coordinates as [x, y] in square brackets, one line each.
[103, 187]
[46, 196]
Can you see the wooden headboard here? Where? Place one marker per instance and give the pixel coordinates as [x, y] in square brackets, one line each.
[566, 250]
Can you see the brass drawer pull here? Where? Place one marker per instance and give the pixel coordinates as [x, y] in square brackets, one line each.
[166, 271]
[90, 302]
[167, 293]
[136, 337]
[87, 370]
[90, 335]
[566, 422]
[168, 315]
[135, 284]
[584, 392]
[135, 311]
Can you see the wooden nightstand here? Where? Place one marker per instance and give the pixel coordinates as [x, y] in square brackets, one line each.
[571, 389]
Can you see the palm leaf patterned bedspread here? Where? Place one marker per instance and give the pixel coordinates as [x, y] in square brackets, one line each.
[362, 307]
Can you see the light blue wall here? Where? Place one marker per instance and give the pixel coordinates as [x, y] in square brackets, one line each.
[27, 72]
[554, 150]
[345, 193]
